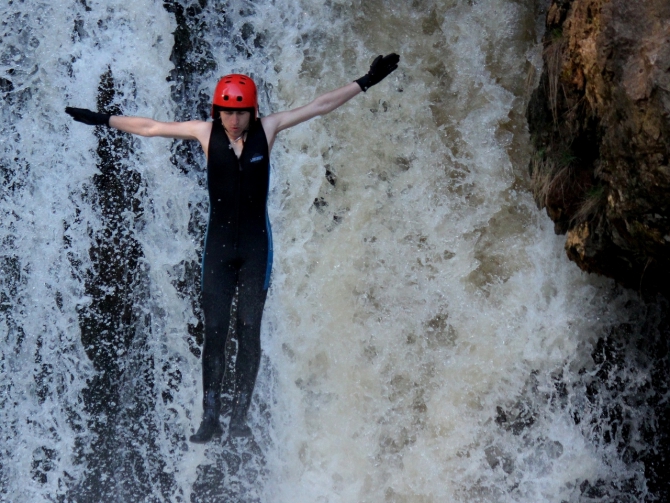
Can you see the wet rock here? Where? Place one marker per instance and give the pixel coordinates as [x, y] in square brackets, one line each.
[600, 126]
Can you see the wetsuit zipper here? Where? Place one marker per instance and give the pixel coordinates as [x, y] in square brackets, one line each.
[237, 208]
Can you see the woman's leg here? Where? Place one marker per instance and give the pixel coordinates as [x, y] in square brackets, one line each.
[250, 307]
[219, 281]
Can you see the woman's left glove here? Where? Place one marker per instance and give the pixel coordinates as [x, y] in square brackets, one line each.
[379, 70]
[88, 117]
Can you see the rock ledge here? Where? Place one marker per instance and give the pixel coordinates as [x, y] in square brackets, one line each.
[600, 126]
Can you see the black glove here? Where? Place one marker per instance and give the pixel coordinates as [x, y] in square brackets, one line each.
[88, 117]
[379, 70]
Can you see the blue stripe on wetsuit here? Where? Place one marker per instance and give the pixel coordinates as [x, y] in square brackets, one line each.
[268, 229]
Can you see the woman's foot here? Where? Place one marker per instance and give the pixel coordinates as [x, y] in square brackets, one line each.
[209, 428]
[239, 429]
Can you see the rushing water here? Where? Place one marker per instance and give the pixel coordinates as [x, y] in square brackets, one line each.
[425, 338]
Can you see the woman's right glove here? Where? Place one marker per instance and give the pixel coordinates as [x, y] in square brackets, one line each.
[88, 117]
[379, 70]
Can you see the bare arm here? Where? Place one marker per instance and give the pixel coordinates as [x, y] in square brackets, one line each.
[380, 68]
[273, 124]
[190, 130]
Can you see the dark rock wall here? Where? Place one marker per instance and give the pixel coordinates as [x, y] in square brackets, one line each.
[600, 127]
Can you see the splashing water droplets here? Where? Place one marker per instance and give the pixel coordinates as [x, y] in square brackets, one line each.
[425, 338]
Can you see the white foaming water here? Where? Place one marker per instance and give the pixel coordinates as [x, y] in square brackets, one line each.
[421, 311]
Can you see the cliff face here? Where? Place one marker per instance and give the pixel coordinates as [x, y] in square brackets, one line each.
[600, 126]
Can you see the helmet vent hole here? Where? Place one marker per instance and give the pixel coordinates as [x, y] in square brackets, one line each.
[225, 98]
[239, 98]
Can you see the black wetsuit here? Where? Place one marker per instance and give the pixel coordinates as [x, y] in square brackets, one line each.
[238, 253]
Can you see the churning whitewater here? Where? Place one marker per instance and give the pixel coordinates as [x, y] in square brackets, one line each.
[425, 338]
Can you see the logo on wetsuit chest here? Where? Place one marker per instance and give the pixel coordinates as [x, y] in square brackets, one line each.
[256, 158]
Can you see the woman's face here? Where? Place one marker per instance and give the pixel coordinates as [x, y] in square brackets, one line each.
[235, 122]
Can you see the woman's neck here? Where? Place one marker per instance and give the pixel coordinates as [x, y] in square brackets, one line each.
[237, 143]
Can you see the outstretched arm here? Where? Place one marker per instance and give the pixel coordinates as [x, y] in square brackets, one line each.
[322, 105]
[380, 68]
[190, 130]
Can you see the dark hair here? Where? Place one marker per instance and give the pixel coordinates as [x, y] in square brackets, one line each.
[218, 109]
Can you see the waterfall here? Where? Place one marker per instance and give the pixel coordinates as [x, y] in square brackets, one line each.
[425, 337]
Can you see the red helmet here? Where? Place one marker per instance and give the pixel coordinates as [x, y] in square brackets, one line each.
[235, 91]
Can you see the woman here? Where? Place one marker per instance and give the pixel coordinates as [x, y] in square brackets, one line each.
[238, 243]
